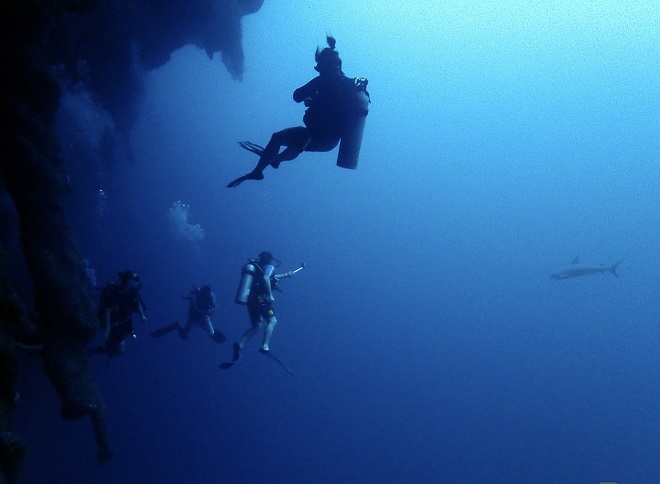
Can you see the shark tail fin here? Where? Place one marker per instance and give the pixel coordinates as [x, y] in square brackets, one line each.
[614, 266]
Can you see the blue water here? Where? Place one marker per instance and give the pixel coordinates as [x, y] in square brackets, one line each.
[427, 341]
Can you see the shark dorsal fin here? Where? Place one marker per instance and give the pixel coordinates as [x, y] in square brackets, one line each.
[576, 260]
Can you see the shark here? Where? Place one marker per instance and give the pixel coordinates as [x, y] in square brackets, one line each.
[576, 270]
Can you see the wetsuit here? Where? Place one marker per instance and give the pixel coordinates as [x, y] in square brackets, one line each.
[258, 304]
[329, 111]
[202, 305]
[122, 304]
[330, 114]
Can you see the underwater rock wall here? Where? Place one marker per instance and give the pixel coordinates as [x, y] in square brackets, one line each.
[109, 45]
[106, 45]
[12, 322]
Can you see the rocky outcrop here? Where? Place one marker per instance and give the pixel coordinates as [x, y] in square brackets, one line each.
[107, 45]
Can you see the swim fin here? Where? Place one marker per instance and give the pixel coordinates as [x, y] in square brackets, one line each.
[218, 337]
[250, 176]
[252, 147]
[235, 183]
[236, 357]
[270, 354]
[259, 151]
[165, 330]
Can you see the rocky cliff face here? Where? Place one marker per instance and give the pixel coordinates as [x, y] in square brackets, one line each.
[104, 46]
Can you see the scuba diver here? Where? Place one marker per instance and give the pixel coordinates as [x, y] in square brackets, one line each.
[201, 308]
[118, 301]
[336, 109]
[258, 282]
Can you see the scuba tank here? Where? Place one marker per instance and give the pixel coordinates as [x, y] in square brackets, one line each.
[349, 146]
[247, 276]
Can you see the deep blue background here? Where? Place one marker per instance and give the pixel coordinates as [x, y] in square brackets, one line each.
[427, 340]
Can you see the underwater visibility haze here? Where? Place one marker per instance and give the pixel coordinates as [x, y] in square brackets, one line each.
[427, 340]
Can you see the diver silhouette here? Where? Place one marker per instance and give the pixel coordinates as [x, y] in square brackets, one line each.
[336, 109]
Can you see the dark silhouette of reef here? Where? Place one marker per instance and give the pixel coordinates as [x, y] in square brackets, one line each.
[109, 46]
[105, 45]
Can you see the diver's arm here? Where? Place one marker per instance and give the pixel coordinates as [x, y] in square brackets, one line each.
[284, 275]
[306, 91]
[289, 273]
[269, 289]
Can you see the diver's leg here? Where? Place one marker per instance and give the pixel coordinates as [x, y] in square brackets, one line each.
[322, 143]
[293, 138]
[271, 151]
[289, 153]
[249, 333]
[120, 348]
[302, 140]
[255, 322]
[215, 335]
[268, 332]
[296, 140]
[269, 154]
[114, 343]
[207, 326]
[264, 160]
